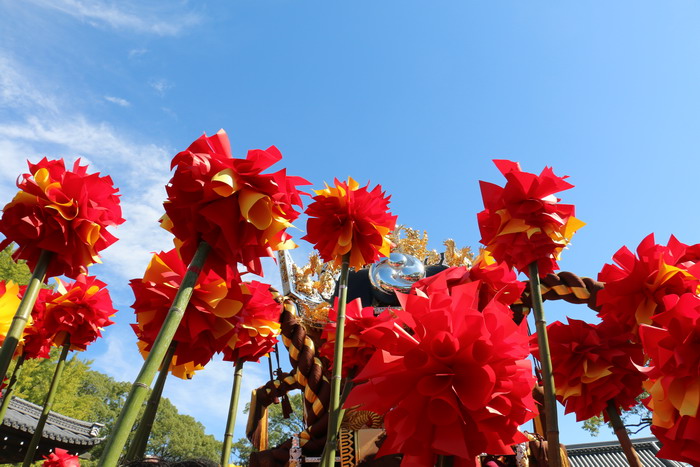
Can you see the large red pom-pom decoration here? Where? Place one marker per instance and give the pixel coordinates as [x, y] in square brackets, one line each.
[257, 325]
[524, 222]
[229, 203]
[593, 364]
[674, 377]
[347, 218]
[77, 312]
[460, 385]
[356, 350]
[635, 286]
[37, 338]
[66, 212]
[209, 321]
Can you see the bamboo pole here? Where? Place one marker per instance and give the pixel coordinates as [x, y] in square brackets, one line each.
[622, 435]
[139, 390]
[335, 407]
[550, 401]
[48, 403]
[137, 449]
[233, 408]
[7, 397]
[24, 311]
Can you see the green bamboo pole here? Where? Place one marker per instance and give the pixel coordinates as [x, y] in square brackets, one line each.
[233, 408]
[445, 461]
[334, 409]
[48, 403]
[139, 390]
[11, 387]
[622, 436]
[19, 322]
[349, 384]
[137, 449]
[550, 401]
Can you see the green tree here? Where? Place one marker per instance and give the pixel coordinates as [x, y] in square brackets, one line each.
[635, 419]
[279, 428]
[10, 270]
[89, 395]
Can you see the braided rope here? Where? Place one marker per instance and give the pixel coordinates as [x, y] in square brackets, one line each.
[309, 373]
[565, 286]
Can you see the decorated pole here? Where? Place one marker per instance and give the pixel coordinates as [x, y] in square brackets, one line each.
[19, 322]
[550, 401]
[335, 404]
[137, 449]
[11, 387]
[139, 390]
[622, 436]
[233, 408]
[48, 403]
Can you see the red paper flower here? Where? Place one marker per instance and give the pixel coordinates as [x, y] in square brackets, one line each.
[77, 311]
[635, 286]
[674, 376]
[209, 320]
[37, 338]
[347, 218]
[65, 212]
[257, 325]
[230, 204]
[523, 222]
[593, 364]
[61, 458]
[459, 386]
[356, 351]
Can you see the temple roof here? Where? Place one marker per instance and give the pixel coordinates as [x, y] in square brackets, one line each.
[76, 436]
[609, 454]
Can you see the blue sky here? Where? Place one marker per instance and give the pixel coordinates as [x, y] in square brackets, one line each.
[415, 96]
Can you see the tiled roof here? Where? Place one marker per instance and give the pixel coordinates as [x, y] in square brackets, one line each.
[609, 454]
[23, 416]
[75, 436]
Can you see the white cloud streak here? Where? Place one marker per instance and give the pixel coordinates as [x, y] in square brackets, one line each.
[118, 100]
[129, 16]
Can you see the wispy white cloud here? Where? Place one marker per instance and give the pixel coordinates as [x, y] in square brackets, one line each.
[118, 100]
[17, 91]
[140, 170]
[169, 20]
[161, 85]
[134, 53]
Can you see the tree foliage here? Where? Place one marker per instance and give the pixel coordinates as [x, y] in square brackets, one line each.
[279, 428]
[15, 271]
[89, 395]
[635, 419]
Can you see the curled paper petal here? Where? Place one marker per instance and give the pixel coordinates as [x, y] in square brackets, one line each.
[66, 212]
